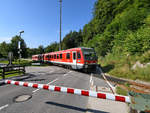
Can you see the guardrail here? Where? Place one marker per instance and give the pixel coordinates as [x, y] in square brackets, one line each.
[7, 70]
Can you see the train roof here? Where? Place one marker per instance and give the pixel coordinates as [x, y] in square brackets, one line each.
[71, 49]
[67, 50]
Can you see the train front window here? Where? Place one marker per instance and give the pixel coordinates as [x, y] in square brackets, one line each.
[79, 55]
[89, 54]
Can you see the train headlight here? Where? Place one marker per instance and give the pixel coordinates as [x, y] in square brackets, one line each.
[86, 62]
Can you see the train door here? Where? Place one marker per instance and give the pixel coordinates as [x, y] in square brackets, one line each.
[74, 57]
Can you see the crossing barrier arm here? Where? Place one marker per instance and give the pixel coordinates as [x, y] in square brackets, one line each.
[81, 92]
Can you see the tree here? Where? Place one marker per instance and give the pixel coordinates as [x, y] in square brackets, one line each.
[52, 47]
[1, 55]
[40, 49]
[4, 49]
[72, 39]
[14, 47]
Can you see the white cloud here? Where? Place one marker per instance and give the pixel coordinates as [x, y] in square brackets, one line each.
[6, 39]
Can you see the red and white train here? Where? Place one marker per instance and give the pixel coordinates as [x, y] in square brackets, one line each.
[75, 58]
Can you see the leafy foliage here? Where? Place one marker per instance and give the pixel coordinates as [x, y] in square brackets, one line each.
[118, 26]
[14, 47]
[4, 49]
[72, 39]
[52, 47]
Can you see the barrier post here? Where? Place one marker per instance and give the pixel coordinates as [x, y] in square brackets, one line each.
[3, 73]
[24, 71]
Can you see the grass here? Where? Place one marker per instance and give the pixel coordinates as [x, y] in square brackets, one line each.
[121, 66]
[12, 75]
[4, 62]
[121, 91]
[22, 62]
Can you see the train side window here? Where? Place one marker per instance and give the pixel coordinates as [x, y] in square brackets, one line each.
[79, 55]
[60, 56]
[54, 56]
[68, 56]
[74, 56]
[48, 56]
[57, 56]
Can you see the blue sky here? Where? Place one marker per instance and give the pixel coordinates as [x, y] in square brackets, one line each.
[40, 19]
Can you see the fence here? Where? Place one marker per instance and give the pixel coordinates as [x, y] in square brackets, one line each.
[7, 70]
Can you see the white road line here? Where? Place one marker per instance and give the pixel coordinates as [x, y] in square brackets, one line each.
[51, 71]
[91, 80]
[4, 107]
[67, 73]
[51, 82]
[47, 84]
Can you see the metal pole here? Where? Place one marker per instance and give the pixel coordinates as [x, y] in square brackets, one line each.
[60, 23]
[19, 48]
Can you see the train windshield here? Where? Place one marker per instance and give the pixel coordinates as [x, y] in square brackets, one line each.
[89, 54]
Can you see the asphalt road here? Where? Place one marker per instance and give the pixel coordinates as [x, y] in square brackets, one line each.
[46, 101]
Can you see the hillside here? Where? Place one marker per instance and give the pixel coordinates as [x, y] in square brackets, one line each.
[120, 34]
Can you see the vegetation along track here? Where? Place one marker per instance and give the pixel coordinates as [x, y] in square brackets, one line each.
[125, 84]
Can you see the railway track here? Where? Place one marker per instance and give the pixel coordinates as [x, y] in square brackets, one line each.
[134, 86]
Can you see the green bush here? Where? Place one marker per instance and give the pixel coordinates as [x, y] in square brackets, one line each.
[138, 42]
[121, 91]
[145, 58]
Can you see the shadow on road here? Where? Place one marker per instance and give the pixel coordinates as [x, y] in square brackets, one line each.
[24, 77]
[35, 80]
[74, 108]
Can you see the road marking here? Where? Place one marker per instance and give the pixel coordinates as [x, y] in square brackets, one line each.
[4, 107]
[35, 90]
[67, 73]
[46, 84]
[51, 71]
[51, 82]
[91, 80]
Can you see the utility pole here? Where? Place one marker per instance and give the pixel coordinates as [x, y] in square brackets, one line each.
[60, 23]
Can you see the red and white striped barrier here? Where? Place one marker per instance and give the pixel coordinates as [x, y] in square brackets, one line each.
[72, 91]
